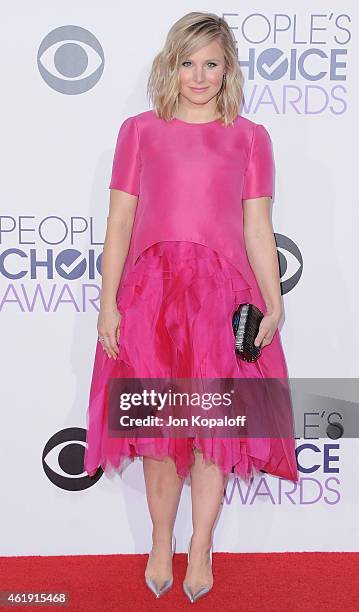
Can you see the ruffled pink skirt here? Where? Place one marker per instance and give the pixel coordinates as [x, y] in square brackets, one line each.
[177, 305]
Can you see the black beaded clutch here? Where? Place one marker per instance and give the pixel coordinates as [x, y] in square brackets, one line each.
[245, 323]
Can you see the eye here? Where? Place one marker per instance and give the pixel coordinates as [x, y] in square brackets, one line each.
[208, 63]
[70, 59]
[290, 262]
[63, 460]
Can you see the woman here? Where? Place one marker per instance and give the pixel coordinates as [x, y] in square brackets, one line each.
[189, 238]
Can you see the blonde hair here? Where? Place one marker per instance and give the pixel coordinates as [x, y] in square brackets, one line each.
[188, 34]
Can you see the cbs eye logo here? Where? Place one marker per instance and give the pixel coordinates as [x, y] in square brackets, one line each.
[290, 262]
[70, 60]
[64, 465]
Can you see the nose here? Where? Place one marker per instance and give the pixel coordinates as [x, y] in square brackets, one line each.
[198, 75]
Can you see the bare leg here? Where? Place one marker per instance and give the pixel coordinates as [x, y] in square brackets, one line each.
[163, 491]
[207, 486]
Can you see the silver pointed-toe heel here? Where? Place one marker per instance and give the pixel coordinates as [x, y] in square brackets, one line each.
[167, 583]
[203, 590]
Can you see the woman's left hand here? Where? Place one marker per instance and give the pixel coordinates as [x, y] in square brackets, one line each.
[267, 329]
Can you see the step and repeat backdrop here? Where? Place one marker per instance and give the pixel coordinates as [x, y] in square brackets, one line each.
[71, 74]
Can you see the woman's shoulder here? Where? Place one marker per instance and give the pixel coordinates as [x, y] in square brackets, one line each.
[144, 118]
[142, 125]
[248, 124]
[149, 117]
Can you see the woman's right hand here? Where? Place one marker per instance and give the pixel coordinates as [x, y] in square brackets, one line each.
[108, 328]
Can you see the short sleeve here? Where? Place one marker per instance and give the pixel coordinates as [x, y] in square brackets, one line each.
[258, 180]
[126, 161]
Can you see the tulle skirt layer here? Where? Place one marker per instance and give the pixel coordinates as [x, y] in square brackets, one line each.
[177, 305]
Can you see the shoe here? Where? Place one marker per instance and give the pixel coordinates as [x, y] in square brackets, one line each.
[167, 583]
[203, 590]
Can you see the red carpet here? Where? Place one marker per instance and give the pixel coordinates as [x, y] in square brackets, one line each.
[250, 582]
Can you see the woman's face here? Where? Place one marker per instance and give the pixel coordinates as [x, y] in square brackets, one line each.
[202, 71]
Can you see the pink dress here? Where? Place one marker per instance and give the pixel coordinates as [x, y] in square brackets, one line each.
[185, 273]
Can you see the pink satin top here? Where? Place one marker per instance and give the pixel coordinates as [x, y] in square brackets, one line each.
[190, 180]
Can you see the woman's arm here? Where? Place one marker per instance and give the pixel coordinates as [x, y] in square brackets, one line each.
[120, 220]
[262, 255]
